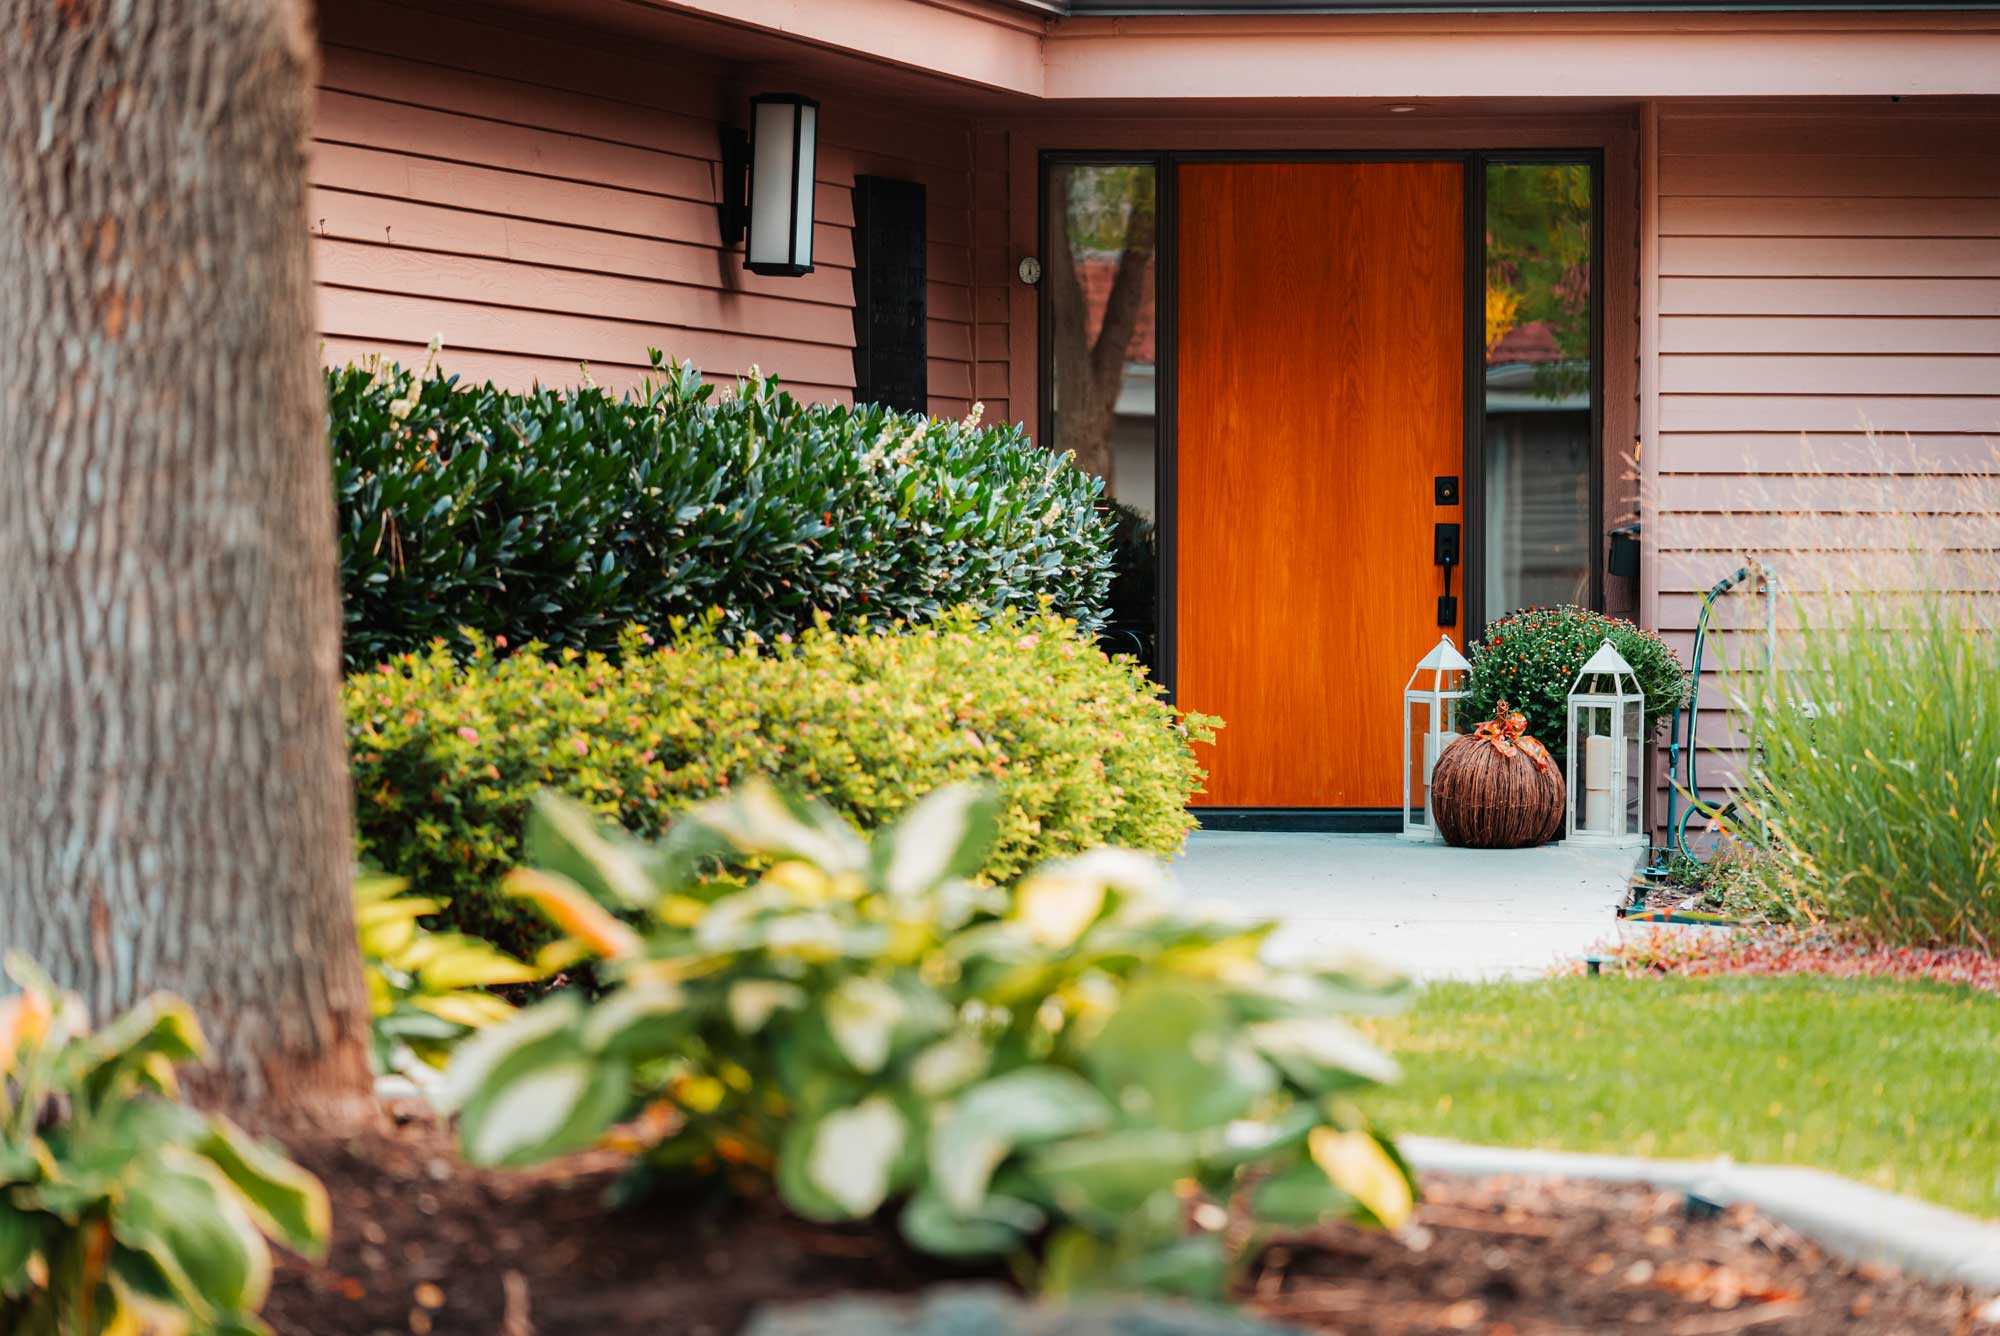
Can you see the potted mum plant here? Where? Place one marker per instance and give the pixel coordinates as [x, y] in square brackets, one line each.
[1531, 657]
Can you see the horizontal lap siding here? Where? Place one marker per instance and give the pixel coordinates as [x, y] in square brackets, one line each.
[541, 204]
[1829, 360]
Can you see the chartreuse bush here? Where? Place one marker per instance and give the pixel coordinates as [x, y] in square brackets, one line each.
[562, 515]
[448, 751]
[1530, 659]
[1044, 1076]
[426, 989]
[122, 1210]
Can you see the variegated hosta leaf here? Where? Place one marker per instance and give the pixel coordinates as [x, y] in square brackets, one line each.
[861, 1015]
[752, 1002]
[755, 819]
[1322, 1053]
[288, 1203]
[1025, 1107]
[945, 836]
[854, 1152]
[1055, 907]
[566, 838]
[1356, 1163]
[479, 1058]
[571, 909]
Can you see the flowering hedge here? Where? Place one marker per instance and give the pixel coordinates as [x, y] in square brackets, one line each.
[562, 515]
[1531, 658]
[447, 754]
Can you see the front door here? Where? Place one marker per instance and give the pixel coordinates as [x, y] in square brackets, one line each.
[1320, 359]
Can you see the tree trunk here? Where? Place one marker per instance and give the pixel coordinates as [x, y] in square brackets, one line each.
[173, 789]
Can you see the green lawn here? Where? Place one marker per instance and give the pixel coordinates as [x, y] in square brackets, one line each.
[1895, 1084]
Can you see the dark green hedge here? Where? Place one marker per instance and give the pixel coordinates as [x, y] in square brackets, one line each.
[562, 515]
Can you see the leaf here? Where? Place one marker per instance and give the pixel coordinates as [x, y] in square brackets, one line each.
[756, 819]
[21, 1238]
[1025, 1107]
[1356, 1163]
[476, 1061]
[538, 1110]
[1105, 1177]
[1299, 1196]
[180, 1212]
[752, 1002]
[958, 1059]
[565, 838]
[1171, 1055]
[1322, 1054]
[573, 911]
[638, 1022]
[861, 1015]
[998, 1226]
[1055, 906]
[944, 836]
[287, 1202]
[839, 1165]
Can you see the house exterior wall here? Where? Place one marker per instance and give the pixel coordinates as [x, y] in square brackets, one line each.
[1817, 273]
[542, 201]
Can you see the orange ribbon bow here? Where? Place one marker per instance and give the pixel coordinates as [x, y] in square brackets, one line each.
[1507, 732]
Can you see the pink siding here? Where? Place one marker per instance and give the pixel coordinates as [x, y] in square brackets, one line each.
[1822, 274]
[541, 204]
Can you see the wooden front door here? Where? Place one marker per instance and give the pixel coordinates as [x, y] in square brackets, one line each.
[1320, 354]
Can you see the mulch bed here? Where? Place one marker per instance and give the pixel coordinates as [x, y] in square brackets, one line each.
[428, 1246]
[1816, 951]
[1522, 1257]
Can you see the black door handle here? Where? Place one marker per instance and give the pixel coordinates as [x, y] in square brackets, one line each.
[1444, 551]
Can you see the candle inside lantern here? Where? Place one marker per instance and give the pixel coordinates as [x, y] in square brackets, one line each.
[1597, 783]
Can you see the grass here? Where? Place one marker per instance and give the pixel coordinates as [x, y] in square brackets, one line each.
[1893, 1083]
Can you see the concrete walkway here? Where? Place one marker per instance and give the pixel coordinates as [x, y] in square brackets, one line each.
[1431, 910]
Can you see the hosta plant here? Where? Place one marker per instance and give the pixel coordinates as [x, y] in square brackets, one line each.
[1083, 1076]
[122, 1210]
[426, 990]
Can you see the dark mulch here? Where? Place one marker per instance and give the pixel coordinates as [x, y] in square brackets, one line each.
[425, 1245]
[1519, 1257]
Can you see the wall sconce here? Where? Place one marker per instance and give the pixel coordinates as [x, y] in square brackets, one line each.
[767, 184]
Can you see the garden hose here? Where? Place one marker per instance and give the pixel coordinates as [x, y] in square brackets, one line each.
[1685, 781]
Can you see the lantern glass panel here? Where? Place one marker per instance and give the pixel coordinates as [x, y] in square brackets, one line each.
[1593, 767]
[783, 144]
[1635, 718]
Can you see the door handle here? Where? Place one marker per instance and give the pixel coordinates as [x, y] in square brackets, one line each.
[1444, 551]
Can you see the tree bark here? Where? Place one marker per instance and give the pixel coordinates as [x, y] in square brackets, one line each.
[173, 788]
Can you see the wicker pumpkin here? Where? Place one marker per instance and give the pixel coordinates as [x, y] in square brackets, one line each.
[1498, 788]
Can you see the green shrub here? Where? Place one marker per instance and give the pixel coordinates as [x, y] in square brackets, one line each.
[447, 754]
[122, 1210]
[1039, 1076]
[1880, 770]
[1530, 659]
[562, 515]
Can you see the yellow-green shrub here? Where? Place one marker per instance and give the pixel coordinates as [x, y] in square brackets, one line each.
[448, 750]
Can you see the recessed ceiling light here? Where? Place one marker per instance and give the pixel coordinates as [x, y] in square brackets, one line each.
[1403, 106]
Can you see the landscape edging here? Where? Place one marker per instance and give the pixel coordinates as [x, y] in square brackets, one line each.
[1850, 1219]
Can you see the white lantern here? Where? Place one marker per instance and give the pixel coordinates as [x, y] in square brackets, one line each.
[1607, 713]
[1430, 722]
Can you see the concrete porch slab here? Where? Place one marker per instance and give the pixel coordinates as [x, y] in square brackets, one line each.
[1431, 910]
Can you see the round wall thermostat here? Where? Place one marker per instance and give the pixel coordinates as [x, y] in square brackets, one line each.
[1031, 270]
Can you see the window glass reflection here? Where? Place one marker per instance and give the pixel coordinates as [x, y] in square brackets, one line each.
[1540, 534]
[1100, 284]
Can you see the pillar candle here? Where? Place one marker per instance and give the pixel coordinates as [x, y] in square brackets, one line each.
[1597, 796]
